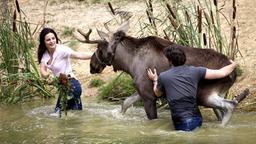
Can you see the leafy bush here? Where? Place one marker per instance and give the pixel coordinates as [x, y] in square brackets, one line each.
[96, 82]
[68, 31]
[119, 88]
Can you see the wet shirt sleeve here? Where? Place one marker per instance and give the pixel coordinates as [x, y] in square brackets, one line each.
[201, 72]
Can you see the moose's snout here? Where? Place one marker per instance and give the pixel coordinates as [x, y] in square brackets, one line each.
[110, 55]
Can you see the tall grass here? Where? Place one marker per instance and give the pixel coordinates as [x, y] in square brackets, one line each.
[20, 78]
[192, 23]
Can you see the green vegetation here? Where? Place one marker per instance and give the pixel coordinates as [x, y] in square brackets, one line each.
[68, 31]
[19, 76]
[119, 88]
[96, 82]
[239, 70]
[194, 23]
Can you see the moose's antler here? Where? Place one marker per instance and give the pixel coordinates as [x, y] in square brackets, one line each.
[86, 36]
[106, 25]
[119, 16]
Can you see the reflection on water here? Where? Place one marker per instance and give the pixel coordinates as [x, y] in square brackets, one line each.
[103, 123]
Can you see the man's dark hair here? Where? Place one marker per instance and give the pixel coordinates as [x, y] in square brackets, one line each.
[175, 55]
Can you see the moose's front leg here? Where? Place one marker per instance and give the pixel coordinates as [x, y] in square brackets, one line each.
[150, 108]
[145, 90]
[149, 102]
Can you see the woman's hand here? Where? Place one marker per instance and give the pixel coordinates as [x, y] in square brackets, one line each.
[50, 78]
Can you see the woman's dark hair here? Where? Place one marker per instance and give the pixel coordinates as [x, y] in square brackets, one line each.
[42, 48]
[175, 55]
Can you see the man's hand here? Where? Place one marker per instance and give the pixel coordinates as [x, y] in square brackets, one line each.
[232, 62]
[152, 74]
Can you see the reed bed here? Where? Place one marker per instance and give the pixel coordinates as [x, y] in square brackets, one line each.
[192, 23]
[19, 76]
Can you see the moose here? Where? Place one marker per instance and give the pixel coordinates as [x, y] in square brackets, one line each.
[135, 55]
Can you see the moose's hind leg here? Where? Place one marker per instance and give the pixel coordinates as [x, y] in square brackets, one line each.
[129, 101]
[218, 113]
[224, 105]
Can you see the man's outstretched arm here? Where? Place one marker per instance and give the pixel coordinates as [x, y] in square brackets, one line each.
[220, 73]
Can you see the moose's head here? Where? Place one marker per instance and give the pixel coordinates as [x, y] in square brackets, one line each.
[97, 63]
[106, 47]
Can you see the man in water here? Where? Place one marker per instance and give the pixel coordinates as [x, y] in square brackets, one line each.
[180, 85]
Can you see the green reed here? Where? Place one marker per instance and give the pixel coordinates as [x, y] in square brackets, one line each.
[194, 23]
[19, 76]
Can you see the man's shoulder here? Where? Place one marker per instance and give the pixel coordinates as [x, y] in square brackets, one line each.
[199, 70]
[197, 67]
[168, 72]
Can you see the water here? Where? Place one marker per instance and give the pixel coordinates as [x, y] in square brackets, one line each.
[102, 123]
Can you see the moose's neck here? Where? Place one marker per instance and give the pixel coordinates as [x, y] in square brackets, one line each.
[124, 59]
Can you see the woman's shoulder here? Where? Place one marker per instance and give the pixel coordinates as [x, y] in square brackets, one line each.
[45, 56]
[62, 47]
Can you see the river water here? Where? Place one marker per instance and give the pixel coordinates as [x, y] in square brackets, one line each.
[102, 123]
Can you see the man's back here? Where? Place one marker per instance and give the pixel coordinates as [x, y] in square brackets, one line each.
[180, 85]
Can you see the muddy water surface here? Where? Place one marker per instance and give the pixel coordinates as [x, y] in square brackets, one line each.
[102, 123]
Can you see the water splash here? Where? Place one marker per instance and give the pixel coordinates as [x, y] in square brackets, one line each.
[113, 112]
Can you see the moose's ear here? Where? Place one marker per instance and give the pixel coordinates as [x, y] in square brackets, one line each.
[103, 35]
[124, 27]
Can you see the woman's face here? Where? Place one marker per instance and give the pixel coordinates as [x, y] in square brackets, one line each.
[50, 41]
